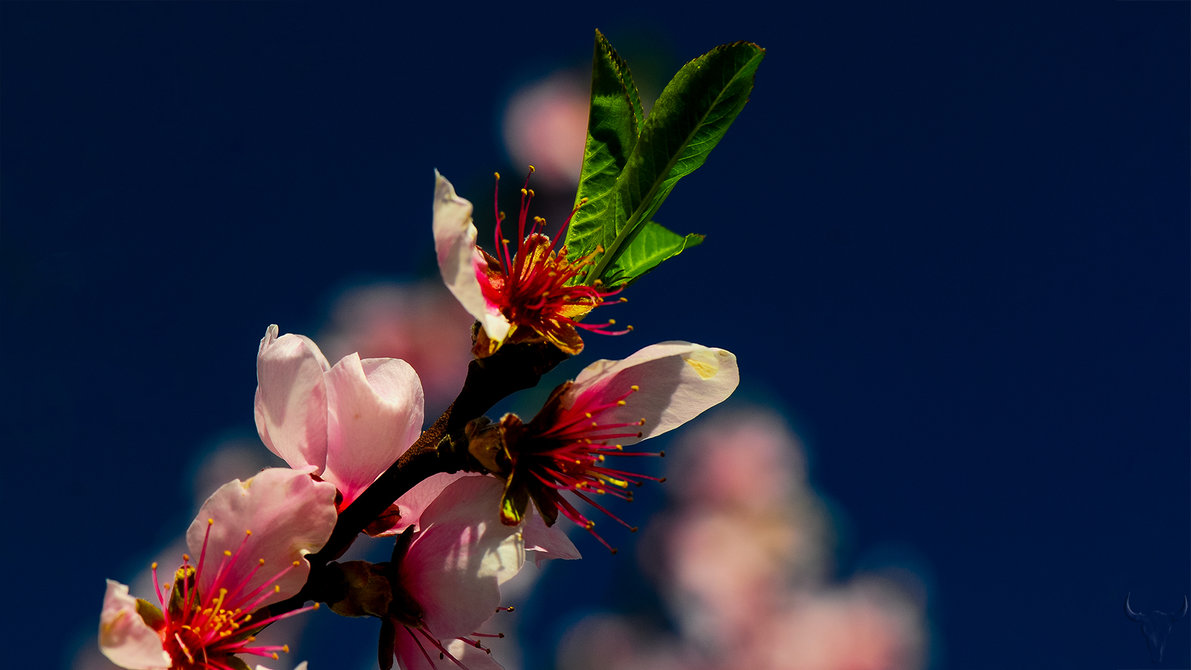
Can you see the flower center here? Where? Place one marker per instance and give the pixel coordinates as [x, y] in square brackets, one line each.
[205, 629]
[568, 448]
[535, 285]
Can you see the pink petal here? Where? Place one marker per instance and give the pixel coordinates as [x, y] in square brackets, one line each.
[411, 505]
[454, 566]
[291, 405]
[289, 515]
[375, 411]
[547, 541]
[676, 382]
[124, 637]
[459, 261]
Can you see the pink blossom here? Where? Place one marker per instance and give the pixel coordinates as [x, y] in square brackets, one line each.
[451, 574]
[346, 423]
[533, 293]
[251, 538]
[610, 405]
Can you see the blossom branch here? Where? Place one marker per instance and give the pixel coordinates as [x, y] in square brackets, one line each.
[441, 448]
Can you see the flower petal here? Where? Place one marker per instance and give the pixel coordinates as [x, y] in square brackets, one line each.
[458, 259]
[291, 404]
[676, 382]
[289, 515]
[124, 637]
[374, 413]
[415, 501]
[547, 541]
[454, 566]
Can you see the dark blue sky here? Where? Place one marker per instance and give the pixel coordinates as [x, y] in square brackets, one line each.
[952, 244]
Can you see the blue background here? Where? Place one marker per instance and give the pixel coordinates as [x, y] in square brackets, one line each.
[952, 243]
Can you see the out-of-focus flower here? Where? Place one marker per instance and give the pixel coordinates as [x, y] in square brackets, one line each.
[610, 405]
[741, 561]
[745, 531]
[870, 624]
[545, 123]
[419, 322]
[346, 423]
[527, 295]
[448, 580]
[251, 538]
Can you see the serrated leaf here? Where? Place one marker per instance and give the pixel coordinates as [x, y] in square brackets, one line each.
[689, 119]
[612, 124]
[652, 244]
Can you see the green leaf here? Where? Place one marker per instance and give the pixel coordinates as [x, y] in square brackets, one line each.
[652, 244]
[689, 119]
[612, 124]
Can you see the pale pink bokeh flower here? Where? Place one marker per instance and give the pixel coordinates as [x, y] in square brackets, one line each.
[346, 423]
[419, 322]
[545, 123]
[250, 539]
[741, 562]
[869, 624]
[764, 463]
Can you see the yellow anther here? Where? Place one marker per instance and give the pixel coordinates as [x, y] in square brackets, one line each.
[210, 522]
[496, 174]
[276, 588]
[641, 422]
[524, 191]
[531, 193]
[316, 606]
[154, 565]
[261, 561]
[634, 387]
[227, 552]
[621, 403]
[297, 563]
[247, 531]
[285, 648]
[587, 414]
[532, 169]
[628, 327]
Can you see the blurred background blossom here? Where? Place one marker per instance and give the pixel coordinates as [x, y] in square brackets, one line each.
[743, 559]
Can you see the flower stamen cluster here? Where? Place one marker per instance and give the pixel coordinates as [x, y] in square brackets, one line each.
[535, 286]
[205, 629]
[610, 405]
